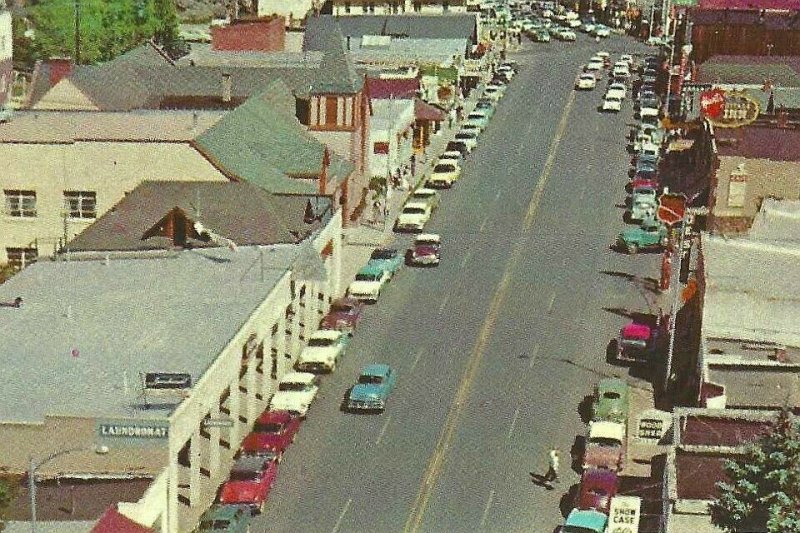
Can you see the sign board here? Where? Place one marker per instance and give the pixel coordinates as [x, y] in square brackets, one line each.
[624, 514]
[729, 109]
[133, 432]
[712, 103]
[652, 425]
[671, 208]
[218, 423]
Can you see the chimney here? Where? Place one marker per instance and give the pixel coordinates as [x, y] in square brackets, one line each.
[227, 88]
[323, 175]
[60, 68]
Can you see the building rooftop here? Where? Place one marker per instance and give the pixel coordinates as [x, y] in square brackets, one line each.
[87, 330]
[698, 473]
[759, 142]
[784, 71]
[771, 20]
[763, 387]
[777, 221]
[411, 26]
[396, 51]
[241, 212]
[737, 351]
[202, 55]
[380, 88]
[52, 127]
[746, 303]
[721, 430]
[750, 4]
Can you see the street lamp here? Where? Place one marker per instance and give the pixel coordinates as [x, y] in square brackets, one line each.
[35, 466]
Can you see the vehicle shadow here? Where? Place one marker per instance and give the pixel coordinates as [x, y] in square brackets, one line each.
[567, 501]
[585, 408]
[539, 480]
[647, 283]
[576, 454]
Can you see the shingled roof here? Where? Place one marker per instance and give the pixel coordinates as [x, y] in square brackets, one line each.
[285, 160]
[241, 212]
[337, 73]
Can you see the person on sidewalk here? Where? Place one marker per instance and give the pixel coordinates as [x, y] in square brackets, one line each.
[552, 472]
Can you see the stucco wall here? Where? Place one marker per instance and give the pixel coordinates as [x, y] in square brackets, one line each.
[296, 8]
[110, 169]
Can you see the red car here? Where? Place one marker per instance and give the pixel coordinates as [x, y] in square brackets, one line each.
[273, 432]
[344, 315]
[598, 486]
[640, 180]
[251, 480]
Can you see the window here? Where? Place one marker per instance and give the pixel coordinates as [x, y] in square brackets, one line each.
[80, 204]
[19, 258]
[20, 203]
[445, 6]
[417, 6]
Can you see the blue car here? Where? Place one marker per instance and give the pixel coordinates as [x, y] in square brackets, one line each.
[386, 259]
[585, 521]
[372, 389]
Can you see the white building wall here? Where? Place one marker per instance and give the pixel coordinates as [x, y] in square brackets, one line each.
[110, 169]
[295, 8]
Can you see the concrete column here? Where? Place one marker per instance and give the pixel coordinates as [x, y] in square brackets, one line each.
[265, 385]
[310, 316]
[284, 347]
[213, 442]
[252, 389]
[195, 458]
[236, 410]
[171, 518]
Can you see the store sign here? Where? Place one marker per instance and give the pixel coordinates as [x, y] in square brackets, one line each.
[729, 109]
[652, 425]
[133, 431]
[671, 208]
[624, 514]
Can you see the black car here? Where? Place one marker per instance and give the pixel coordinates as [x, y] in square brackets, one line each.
[457, 146]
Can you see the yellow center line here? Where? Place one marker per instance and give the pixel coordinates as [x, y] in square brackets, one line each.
[437, 460]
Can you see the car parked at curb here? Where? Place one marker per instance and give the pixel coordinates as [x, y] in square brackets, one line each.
[468, 137]
[222, 518]
[605, 446]
[584, 521]
[617, 89]
[650, 235]
[296, 392]
[611, 102]
[426, 250]
[429, 196]
[478, 118]
[372, 389]
[250, 482]
[445, 173]
[388, 259]
[272, 432]
[368, 283]
[322, 353]
[611, 400]
[344, 315]
[586, 82]
[597, 488]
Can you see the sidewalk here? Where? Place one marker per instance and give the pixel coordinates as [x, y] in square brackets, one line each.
[359, 241]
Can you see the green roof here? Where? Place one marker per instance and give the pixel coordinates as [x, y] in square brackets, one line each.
[444, 73]
[269, 148]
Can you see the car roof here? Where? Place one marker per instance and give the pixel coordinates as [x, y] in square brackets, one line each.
[425, 190]
[249, 463]
[601, 476]
[427, 237]
[330, 334]
[298, 377]
[372, 268]
[587, 518]
[605, 428]
[449, 153]
[377, 369]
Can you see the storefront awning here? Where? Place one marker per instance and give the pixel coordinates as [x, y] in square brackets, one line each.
[425, 111]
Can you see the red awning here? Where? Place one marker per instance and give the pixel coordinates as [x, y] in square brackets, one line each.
[425, 111]
[114, 522]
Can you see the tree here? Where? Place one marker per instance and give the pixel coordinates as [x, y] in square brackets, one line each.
[764, 489]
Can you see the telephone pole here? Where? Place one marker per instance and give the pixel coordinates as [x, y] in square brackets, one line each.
[77, 32]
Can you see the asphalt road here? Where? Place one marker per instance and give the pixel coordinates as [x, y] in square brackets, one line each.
[496, 347]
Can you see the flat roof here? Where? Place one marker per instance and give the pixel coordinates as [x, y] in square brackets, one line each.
[747, 387]
[202, 55]
[87, 330]
[736, 351]
[698, 472]
[707, 430]
[72, 126]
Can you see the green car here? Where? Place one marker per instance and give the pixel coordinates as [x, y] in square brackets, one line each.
[611, 400]
[647, 236]
[230, 518]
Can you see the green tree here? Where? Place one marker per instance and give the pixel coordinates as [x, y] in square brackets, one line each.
[764, 489]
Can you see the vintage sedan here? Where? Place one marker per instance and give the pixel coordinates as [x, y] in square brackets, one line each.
[586, 81]
[226, 519]
[250, 482]
[429, 196]
[296, 392]
[650, 235]
[368, 284]
[372, 389]
[273, 432]
[611, 102]
[344, 315]
[605, 446]
[388, 259]
[485, 105]
[415, 215]
[585, 521]
[426, 250]
[597, 488]
[479, 119]
[322, 353]
[445, 174]
[611, 400]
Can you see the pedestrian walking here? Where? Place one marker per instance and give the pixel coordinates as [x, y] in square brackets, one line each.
[552, 472]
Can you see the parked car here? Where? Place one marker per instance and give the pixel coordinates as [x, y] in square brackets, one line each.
[324, 349]
[226, 518]
[470, 138]
[595, 64]
[486, 106]
[605, 446]
[601, 31]
[611, 102]
[585, 521]
[644, 203]
[296, 392]
[586, 81]
[566, 35]
[638, 340]
[617, 89]
[272, 433]
[388, 259]
[415, 215]
[478, 118]
[457, 146]
[494, 92]
[368, 283]
[344, 315]
[648, 108]
[621, 69]
[611, 400]
[372, 389]
[250, 482]
[541, 36]
[445, 173]
[429, 196]
[597, 488]
[426, 250]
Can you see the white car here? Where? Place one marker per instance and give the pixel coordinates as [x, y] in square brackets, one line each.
[445, 173]
[627, 58]
[601, 31]
[595, 64]
[413, 217]
[296, 391]
[324, 348]
[368, 283]
[617, 89]
[453, 156]
[648, 111]
[493, 92]
[621, 70]
[586, 81]
[566, 35]
[507, 71]
[478, 118]
[573, 23]
[602, 54]
[612, 102]
[469, 138]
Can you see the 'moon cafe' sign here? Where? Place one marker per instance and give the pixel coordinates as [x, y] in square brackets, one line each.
[728, 109]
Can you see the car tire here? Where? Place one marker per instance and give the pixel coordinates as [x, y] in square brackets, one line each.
[633, 249]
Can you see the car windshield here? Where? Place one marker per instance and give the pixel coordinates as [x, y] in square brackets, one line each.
[383, 254]
[215, 525]
[423, 194]
[369, 276]
[587, 77]
[269, 427]
[613, 98]
[320, 343]
[475, 116]
[604, 442]
[611, 396]
[370, 380]
[244, 476]
[465, 135]
[294, 387]
[444, 168]
[408, 211]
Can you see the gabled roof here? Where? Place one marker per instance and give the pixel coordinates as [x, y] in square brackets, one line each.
[425, 111]
[241, 212]
[113, 521]
[288, 160]
[336, 73]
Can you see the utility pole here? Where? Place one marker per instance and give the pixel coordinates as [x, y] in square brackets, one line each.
[77, 32]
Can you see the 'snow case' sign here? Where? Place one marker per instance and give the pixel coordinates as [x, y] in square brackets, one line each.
[624, 513]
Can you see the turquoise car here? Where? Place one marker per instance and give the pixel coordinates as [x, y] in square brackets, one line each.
[230, 518]
[479, 118]
[485, 105]
[585, 521]
[387, 259]
[372, 389]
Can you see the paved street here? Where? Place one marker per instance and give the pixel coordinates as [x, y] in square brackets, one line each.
[495, 348]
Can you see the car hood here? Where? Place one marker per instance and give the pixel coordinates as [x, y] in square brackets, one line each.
[602, 456]
[418, 216]
[362, 391]
[241, 492]
[633, 234]
[609, 410]
[255, 442]
[359, 287]
[291, 398]
[319, 353]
